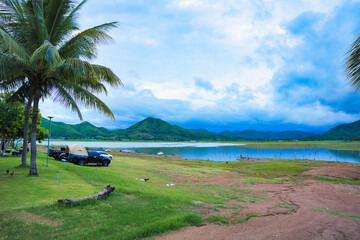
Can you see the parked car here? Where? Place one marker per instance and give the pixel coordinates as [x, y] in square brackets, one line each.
[77, 154]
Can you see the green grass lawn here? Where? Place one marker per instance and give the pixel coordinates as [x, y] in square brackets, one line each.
[136, 209]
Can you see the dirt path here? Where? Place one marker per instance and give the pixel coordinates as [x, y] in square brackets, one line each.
[306, 209]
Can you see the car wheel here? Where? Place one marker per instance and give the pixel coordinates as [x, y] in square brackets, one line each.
[105, 163]
[81, 162]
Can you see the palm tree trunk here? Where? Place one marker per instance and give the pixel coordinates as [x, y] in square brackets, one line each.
[26, 133]
[33, 168]
[4, 145]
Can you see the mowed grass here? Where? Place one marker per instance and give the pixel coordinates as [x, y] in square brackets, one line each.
[136, 209]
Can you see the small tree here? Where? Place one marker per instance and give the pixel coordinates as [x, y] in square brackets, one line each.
[10, 121]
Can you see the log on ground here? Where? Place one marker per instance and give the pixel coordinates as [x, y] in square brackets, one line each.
[107, 190]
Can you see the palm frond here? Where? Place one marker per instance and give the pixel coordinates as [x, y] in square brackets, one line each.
[63, 97]
[86, 98]
[89, 76]
[66, 24]
[91, 84]
[21, 94]
[10, 68]
[84, 43]
[37, 23]
[10, 85]
[11, 10]
[12, 46]
[75, 69]
[353, 64]
[106, 75]
[55, 11]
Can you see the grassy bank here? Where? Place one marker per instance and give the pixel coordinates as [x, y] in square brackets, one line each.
[334, 145]
[136, 209]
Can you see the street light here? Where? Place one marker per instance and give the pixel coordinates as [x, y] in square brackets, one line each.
[47, 161]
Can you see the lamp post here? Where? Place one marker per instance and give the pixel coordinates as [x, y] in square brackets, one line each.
[47, 160]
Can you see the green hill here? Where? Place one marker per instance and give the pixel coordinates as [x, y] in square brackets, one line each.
[82, 130]
[157, 129]
[342, 132]
[260, 135]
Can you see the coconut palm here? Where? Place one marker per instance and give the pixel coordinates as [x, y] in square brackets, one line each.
[43, 57]
[353, 64]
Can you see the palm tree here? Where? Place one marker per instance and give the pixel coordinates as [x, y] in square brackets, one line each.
[39, 47]
[353, 64]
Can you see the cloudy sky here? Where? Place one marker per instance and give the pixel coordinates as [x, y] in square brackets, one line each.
[225, 64]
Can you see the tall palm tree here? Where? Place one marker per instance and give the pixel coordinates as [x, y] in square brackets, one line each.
[353, 64]
[38, 45]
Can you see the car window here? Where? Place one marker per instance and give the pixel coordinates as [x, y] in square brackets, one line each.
[92, 154]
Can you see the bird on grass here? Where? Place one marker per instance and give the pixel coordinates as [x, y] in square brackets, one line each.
[146, 179]
[7, 171]
[12, 173]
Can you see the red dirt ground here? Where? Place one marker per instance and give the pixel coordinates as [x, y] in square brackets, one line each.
[305, 209]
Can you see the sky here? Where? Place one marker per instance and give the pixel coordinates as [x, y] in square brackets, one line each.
[269, 65]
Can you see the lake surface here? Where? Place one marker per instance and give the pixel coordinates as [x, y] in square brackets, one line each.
[223, 151]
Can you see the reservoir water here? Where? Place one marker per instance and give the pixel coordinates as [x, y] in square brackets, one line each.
[223, 151]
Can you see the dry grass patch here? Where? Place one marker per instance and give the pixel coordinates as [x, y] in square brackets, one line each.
[34, 218]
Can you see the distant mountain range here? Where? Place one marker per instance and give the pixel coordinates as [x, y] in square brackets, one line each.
[158, 130]
[147, 129]
[260, 135]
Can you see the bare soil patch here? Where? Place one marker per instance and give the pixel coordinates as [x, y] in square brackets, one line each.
[337, 171]
[305, 209]
[230, 178]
